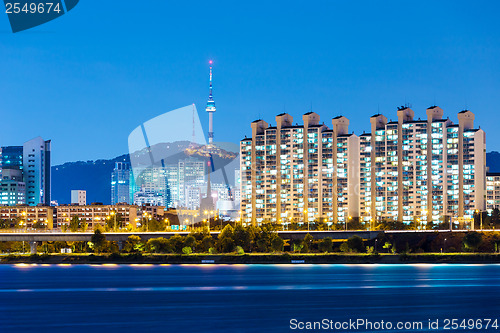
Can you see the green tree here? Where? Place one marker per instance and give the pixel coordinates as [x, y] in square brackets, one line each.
[355, 244]
[326, 245]
[243, 237]
[206, 243]
[307, 243]
[225, 242]
[74, 224]
[277, 243]
[190, 241]
[134, 244]
[158, 245]
[176, 243]
[495, 217]
[472, 240]
[344, 247]
[98, 241]
[114, 222]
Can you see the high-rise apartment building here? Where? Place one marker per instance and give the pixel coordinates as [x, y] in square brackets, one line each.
[299, 173]
[405, 170]
[426, 170]
[492, 191]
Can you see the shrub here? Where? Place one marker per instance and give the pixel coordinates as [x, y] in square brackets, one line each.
[187, 250]
[297, 247]
[239, 250]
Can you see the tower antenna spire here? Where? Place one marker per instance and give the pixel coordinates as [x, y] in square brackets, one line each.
[210, 109]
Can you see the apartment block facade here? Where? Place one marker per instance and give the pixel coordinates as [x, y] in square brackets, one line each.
[404, 170]
[299, 173]
[492, 191]
[29, 216]
[96, 214]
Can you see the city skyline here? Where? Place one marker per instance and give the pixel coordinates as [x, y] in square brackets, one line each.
[329, 64]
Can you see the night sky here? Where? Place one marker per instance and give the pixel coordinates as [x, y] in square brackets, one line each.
[87, 79]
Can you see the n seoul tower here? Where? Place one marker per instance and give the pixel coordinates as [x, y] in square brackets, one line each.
[210, 109]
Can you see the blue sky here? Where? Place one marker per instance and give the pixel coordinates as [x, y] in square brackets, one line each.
[87, 79]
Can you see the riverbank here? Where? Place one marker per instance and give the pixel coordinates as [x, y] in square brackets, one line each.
[285, 258]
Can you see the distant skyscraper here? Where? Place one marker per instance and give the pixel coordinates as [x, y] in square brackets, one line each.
[120, 183]
[36, 171]
[191, 175]
[78, 197]
[12, 157]
[152, 187]
[12, 186]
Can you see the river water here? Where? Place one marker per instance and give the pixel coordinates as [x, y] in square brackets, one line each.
[244, 298]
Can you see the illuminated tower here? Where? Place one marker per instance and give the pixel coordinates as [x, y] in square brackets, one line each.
[210, 109]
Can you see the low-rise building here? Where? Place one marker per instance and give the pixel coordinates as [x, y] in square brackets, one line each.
[96, 214]
[29, 217]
